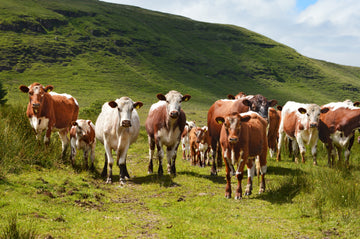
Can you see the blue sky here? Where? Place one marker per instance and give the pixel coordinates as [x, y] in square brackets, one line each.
[322, 29]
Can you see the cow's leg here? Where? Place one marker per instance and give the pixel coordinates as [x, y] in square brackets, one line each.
[151, 154]
[219, 156]
[92, 156]
[121, 160]
[47, 136]
[228, 177]
[314, 152]
[295, 150]
[110, 161]
[239, 176]
[64, 141]
[301, 148]
[251, 173]
[160, 157]
[73, 151]
[347, 151]
[104, 171]
[86, 155]
[171, 158]
[263, 170]
[280, 142]
[214, 146]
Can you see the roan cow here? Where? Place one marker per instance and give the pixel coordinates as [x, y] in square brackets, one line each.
[243, 137]
[164, 125]
[48, 111]
[117, 127]
[82, 136]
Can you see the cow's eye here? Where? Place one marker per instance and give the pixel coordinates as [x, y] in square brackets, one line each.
[31, 93]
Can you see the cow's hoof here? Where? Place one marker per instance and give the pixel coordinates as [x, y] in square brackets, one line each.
[108, 181]
[248, 193]
[228, 196]
[238, 197]
[122, 181]
[261, 190]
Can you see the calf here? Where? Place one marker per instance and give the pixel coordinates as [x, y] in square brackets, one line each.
[164, 125]
[185, 139]
[50, 111]
[337, 128]
[204, 145]
[243, 137]
[117, 127]
[300, 123]
[273, 129]
[82, 136]
[194, 146]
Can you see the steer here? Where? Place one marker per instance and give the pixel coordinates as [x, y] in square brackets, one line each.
[273, 129]
[164, 125]
[185, 144]
[82, 136]
[48, 111]
[220, 108]
[300, 124]
[117, 127]
[337, 128]
[243, 137]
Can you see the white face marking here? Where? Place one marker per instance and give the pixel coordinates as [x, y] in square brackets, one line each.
[125, 106]
[173, 100]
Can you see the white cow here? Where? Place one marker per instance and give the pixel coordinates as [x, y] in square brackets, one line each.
[117, 127]
[300, 123]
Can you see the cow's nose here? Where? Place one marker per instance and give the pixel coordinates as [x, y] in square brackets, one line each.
[174, 114]
[126, 123]
[36, 105]
[313, 125]
[233, 140]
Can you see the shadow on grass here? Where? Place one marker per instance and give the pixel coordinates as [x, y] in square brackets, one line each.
[214, 179]
[164, 180]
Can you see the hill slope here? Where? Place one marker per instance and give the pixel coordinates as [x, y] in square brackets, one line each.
[91, 48]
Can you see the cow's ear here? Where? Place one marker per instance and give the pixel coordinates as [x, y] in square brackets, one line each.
[24, 88]
[246, 102]
[246, 118]
[48, 88]
[89, 122]
[272, 103]
[302, 110]
[74, 123]
[113, 104]
[356, 103]
[231, 97]
[220, 120]
[186, 98]
[324, 110]
[161, 97]
[279, 107]
[138, 104]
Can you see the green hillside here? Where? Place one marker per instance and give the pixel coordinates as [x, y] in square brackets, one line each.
[98, 51]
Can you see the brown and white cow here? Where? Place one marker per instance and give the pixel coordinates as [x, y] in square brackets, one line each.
[220, 108]
[117, 127]
[204, 145]
[185, 143]
[337, 128]
[243, 137]
[300, 123]
[273, 129]
[164, 125]
[48, 111]
[82, 136]
[194, 146]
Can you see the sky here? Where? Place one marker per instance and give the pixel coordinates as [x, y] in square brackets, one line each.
[322, 29]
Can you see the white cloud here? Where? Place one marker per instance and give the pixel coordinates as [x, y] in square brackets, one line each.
[327, 30]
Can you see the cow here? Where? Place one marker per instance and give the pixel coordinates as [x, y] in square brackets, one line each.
[204, 145]
[337, 128]
[185, 144]
[164, 125]
[243, 137]
[82, 136]
[194, 146]
[256, 103]
[48, 111]
[117, 127]
[273, 129]
[300, 124]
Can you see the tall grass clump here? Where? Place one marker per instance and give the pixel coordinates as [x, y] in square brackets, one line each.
[13, 231]
[18, 147]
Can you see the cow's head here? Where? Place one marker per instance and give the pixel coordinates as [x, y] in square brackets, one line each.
[173, 102]
[125, 107]
[37, 94]
[312, 113]
[83, 127]
[236, 97]
[201, 134]
[232, 125]
[259, 104]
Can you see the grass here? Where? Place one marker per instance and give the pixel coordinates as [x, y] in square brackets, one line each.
[65, 202]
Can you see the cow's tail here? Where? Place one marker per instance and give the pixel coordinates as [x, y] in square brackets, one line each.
[257, 165]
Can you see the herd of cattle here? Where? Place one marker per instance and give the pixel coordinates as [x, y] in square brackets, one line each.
[239, 129]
